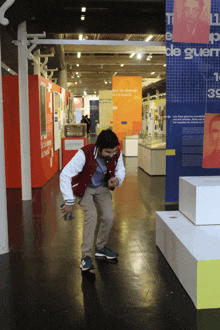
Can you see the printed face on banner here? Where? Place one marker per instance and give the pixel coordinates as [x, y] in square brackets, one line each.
[211, 149]
[191, 21]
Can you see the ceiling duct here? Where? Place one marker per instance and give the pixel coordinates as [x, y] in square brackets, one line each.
[62, 77]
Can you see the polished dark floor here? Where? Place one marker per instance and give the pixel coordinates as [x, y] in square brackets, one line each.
[41, 285]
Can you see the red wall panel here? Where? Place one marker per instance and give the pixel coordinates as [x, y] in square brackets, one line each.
[43, 167]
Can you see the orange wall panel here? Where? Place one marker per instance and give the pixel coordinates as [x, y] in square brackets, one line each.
[127, 105]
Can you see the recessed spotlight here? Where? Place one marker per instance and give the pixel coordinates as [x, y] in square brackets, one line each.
[139, 56]
[83, 9]
[152, 72]
[75, 82]
[82, 17]
[80, 37]
[122, 64]
[77, 64]
[78, 55]
[164, 65]
[132, 55]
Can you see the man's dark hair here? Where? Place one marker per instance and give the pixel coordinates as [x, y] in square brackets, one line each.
[215, 118]
[107, 140]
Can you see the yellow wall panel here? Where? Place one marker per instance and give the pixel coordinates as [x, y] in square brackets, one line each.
[105, 109]
[208, 284]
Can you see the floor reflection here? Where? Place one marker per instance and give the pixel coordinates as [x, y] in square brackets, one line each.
[41, 284]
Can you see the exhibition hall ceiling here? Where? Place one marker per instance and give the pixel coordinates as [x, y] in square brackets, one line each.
[121, 21]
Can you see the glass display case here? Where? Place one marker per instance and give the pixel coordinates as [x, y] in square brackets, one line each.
[154, 141]
[75, 130]
[152, 153]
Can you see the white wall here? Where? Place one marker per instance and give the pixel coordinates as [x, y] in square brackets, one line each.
[88, 98]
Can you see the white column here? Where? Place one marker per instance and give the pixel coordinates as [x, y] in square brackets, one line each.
[36, 62]
[4, 248]
[62, 79]
[24, 113]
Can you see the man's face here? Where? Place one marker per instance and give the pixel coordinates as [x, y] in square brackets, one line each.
[215, 135]
[108, 153]
[191, 10]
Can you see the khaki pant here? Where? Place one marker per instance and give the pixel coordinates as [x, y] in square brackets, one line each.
[103, 199]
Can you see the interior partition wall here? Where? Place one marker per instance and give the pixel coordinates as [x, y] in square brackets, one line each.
[192, 90]
[43, 123]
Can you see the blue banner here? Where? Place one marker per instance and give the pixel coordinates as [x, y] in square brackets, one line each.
[193, 89]
[94, 114]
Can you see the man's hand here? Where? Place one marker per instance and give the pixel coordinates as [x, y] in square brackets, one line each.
[66, 209]
[113, 182]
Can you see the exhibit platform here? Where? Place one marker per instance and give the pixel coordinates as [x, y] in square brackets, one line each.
[193, 252]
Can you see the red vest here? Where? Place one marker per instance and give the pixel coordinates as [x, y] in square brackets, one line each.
[83, 178]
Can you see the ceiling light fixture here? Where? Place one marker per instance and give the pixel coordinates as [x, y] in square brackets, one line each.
[85, 93]
[78, 55]
[80, 37]
[77, 64]
[139, 56]
[82, 17]
[76, 82]
[152, 72]
[132, 55]
[83, 9]
[164, 65]
[122, 64]
[148, 58]
[148, 38]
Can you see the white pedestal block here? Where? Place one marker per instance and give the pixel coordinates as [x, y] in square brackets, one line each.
[130, 146]
[193, 253]
[199, 199]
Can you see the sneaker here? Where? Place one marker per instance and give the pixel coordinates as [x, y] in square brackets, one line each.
[104, 252]
[86, 263]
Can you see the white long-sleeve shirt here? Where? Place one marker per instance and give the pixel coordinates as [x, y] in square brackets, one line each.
[75, 166]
